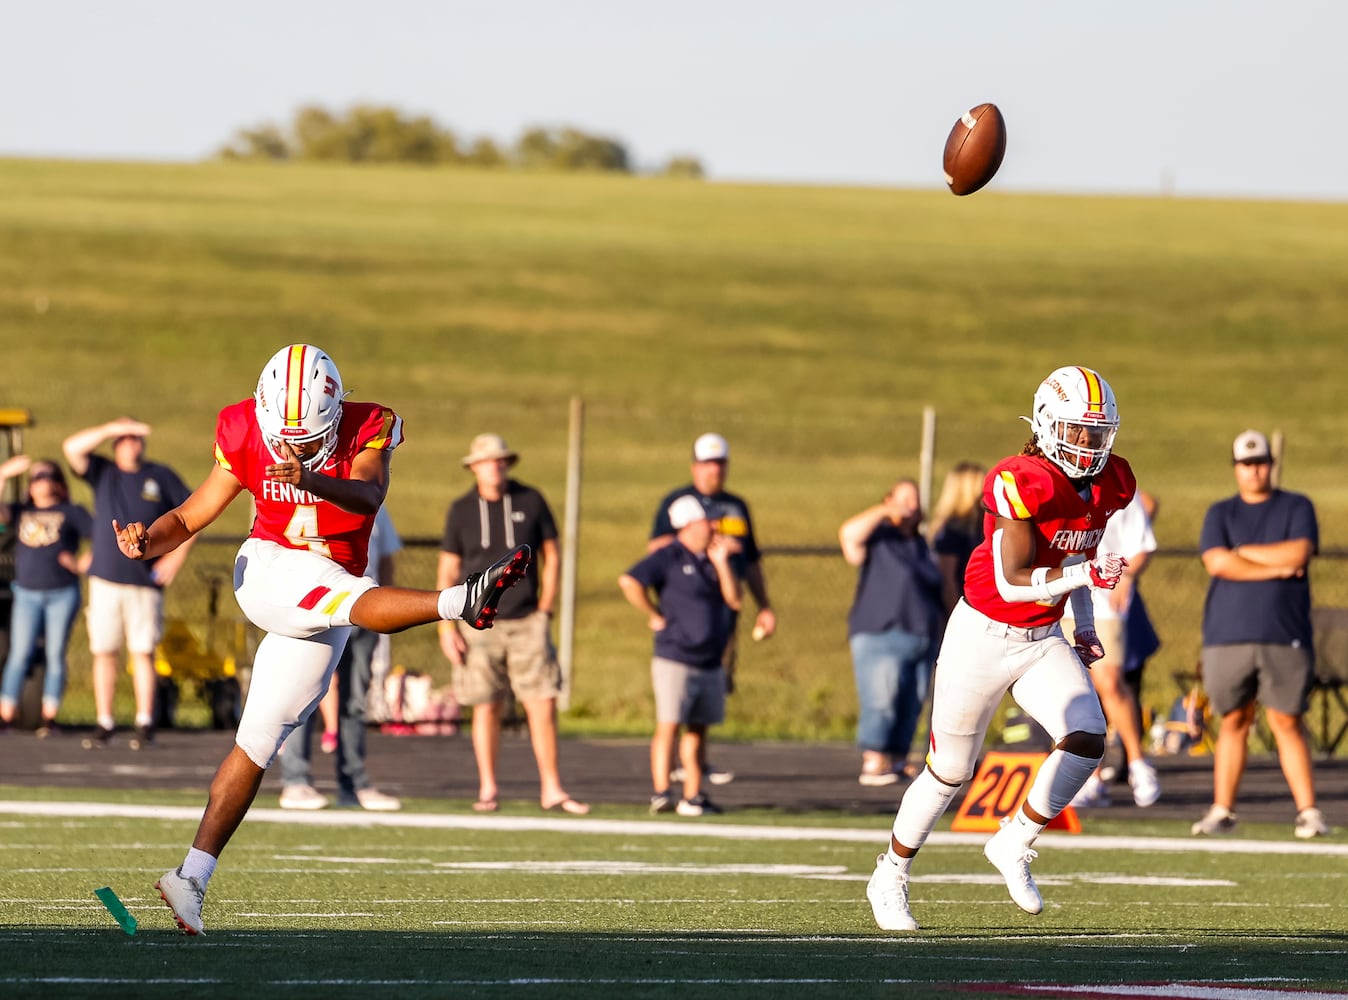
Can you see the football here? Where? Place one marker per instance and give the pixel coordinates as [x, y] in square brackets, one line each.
[974, 150]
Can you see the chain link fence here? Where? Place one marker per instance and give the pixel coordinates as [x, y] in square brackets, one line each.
[798, 685]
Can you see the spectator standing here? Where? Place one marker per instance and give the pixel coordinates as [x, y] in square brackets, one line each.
[351, 681]
[1257, 547]
[730, 518]
[126, 597]
[1129, 533]
[694, 586]
[47, 566]
[493, 517]
[956, 527]
[894, 627]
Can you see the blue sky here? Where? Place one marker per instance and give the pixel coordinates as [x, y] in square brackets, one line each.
[1203, 98]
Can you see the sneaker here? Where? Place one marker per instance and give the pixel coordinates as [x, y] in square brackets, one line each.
[1146, 786]
[184, 897]
[373, 800]
[1219, 820]
[1311, 823]
[698, 805]
[888, 894]
[713, 774]
[142, 738]
[1011, 855]
[328, 744]
[305, 797]
[101, 739]
[878, 779]
[485, 589]
[662, 802]
[1094, 794]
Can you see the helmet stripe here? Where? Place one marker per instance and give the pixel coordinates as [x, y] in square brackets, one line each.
[1095, 397]
[294, 384]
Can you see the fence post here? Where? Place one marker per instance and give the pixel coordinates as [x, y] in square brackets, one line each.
[566, 637]
[928, 456]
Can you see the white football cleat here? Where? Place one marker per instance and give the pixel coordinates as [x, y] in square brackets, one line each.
[184, 897]
[888, 894]
[1011, 855]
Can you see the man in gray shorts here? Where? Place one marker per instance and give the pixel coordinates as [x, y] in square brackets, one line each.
[694, 586]
[1257, 546]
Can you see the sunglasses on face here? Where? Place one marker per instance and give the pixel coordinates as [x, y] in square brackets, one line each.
[46, 474]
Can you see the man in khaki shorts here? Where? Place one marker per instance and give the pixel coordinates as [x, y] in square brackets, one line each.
[493, 517]
[126, 598]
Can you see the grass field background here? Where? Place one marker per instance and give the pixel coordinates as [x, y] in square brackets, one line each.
[431, 904]
[809, 325]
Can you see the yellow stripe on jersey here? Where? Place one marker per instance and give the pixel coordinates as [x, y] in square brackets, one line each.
[390, 431]
[336, 602]
[221, 461]
[1095, 398]
[294, 383]
[1007, 497]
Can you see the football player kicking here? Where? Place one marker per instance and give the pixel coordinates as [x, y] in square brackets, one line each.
[1045, 512]
[318, 469]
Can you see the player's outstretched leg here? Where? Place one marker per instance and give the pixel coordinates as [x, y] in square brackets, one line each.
[485, 589]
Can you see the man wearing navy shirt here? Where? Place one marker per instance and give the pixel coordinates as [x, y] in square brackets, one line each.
[1257, 546]
[695, 589]
[125, 596]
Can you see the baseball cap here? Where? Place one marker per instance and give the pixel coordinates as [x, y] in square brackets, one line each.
[685, 510]
[710, 448]
[1251, 446]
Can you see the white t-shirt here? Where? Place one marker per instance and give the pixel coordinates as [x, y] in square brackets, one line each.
[1128, 532]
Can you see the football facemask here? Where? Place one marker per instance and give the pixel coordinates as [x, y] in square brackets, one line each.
[1075, 421]
[299, 401]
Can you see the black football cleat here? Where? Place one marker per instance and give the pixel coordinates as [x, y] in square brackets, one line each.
[486, 589]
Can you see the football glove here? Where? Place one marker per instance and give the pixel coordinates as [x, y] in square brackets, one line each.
[1106, 570]
[1088, 646]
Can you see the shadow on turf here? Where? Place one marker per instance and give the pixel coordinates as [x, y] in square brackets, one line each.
[316, 962]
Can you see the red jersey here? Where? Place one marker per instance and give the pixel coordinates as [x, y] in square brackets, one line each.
[294, 517]
[1024, 488]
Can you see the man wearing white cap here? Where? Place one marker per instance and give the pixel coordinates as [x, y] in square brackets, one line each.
[1257, 547]
[694, 588]
[730, 517]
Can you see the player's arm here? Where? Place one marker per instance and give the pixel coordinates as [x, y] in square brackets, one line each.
[1019, 581]
[362, 493]
[207, 502]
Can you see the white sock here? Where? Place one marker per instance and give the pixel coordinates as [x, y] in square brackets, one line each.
[198, 865]
[1026, 828]
[1060, 777]
[143, 719]
[107, 722]
[451, 602]
[922, 805]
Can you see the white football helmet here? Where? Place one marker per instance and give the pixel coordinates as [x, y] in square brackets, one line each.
[1075, 420]
[299, 400]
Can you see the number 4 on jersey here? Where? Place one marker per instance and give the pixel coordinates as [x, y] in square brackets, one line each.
[302, 531]
[1000, 786]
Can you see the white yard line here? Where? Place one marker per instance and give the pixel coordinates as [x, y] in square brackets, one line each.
[663, 828]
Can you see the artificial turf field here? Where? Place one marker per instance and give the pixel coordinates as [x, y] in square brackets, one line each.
[430, 903]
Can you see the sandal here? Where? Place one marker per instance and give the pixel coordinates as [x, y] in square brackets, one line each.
[486, 806]
[568, 805]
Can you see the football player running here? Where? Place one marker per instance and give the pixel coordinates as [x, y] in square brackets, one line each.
[1045, 511]
[318, 469]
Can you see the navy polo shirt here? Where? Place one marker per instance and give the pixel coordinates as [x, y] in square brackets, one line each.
[899, 586]
[127, 497]
[689, 597]
[1277, 612]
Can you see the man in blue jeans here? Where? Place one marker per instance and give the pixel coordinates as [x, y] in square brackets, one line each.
[894, 627]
